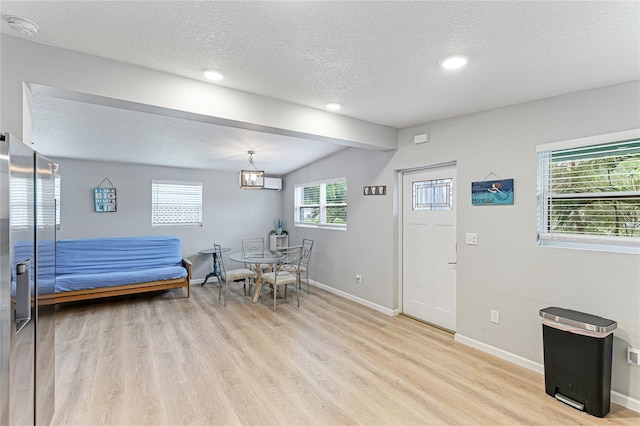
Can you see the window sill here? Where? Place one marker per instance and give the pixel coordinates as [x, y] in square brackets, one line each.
[177, 225]
[318, 226]
[589, 245]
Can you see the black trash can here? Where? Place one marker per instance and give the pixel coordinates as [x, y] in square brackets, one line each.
[578, 349]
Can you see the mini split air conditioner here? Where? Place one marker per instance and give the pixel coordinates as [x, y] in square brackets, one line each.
[273, 183]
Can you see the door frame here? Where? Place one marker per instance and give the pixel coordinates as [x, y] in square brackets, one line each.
[400, 225]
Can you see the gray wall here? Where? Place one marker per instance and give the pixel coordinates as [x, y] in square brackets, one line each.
[366, 247]
[524, 277]
[229, 213]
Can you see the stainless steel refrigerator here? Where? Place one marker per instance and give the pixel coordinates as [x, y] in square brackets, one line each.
[27, 270]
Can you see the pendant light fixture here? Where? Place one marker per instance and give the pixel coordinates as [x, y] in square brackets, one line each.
[251, 178]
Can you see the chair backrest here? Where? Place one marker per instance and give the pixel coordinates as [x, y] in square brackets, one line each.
[220, 271]
[307, 246]
[288, 256]
[252, 246]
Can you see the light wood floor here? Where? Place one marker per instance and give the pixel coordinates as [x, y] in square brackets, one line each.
[168, 360]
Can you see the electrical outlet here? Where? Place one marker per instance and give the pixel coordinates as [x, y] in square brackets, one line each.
[472, 239]
[633, 356]
[359, 278]
[495, 317]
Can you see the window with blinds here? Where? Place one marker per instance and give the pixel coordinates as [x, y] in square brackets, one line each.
[46, 205]
[22, 203]
[589, 192]
[56, 190]
[176, 203]
[321, 204]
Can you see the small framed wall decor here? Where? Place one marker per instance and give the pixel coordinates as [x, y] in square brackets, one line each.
[375, 190]
[492, 192]
[104, 197]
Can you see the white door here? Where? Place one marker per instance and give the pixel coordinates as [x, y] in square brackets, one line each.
[429, 245]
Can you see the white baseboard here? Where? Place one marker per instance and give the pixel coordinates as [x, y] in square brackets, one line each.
[625, 401]
[379, 308]
[500, 353]
[213, 280]
[616, 397]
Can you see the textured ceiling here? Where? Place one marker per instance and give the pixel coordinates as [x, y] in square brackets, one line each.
[81, 127]
[379, 59]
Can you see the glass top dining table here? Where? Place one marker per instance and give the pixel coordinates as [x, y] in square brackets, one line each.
[258, 259]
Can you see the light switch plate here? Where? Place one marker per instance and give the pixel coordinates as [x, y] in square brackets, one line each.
[472, 239]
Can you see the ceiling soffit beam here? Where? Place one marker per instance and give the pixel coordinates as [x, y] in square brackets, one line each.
[149, 90]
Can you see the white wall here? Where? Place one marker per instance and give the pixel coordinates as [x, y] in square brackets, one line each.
[229, 213]
[506, 271]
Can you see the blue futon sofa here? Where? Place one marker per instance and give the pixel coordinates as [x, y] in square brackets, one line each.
[103, 267]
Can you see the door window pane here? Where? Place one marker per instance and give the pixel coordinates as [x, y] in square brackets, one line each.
[433, 195]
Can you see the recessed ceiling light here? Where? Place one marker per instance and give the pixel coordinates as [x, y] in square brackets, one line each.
[453, 62]
[334, 106]
[212, 74]
[22, 25]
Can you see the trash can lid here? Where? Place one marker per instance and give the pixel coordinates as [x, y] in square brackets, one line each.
[579, 319]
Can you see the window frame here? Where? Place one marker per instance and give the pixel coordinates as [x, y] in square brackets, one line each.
[609, 243]
[184, 223]
[297, 196]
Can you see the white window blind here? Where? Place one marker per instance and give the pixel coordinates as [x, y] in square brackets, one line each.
[589, 195]
[46, 206]
[57, 197]
[176, 203]
[321, 204]
[22, 202]
[21, 199]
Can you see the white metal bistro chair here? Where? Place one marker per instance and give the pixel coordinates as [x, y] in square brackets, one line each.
[303, 267]
[287, 257]
[234, 275]
[254, 246]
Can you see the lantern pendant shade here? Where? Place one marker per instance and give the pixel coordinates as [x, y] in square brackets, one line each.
[251, 178]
